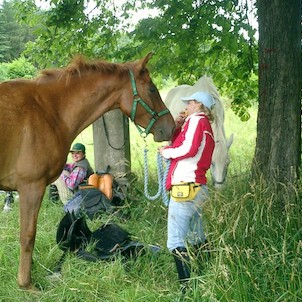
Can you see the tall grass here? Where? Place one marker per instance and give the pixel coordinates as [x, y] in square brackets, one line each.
[255, 245]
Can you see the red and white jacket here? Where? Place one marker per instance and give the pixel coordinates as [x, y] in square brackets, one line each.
[191, 151]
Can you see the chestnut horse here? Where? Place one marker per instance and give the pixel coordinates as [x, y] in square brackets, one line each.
[41, 118]
[221, 157]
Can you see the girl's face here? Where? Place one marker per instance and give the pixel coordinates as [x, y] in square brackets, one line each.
[77, 155]
[192, 107]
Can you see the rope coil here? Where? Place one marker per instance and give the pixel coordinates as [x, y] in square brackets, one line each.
[161, 176]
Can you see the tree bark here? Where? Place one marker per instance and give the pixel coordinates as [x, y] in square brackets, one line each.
[112, 144]
[278, 146]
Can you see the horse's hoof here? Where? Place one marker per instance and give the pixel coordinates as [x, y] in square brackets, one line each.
[31, 289]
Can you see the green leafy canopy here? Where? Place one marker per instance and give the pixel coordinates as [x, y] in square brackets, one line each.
[190, 39]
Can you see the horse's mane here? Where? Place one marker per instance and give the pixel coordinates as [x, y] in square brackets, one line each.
[206, 82]
[80, 65]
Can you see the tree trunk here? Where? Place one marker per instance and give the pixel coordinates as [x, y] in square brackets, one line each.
[112, 144]
[278, 146]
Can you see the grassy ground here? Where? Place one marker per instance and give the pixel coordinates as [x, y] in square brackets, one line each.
[256, 247]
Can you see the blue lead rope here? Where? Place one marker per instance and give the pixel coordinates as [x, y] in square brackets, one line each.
[165, 195]
[161, 176]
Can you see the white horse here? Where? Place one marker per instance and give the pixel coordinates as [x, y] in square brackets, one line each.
[221, 157]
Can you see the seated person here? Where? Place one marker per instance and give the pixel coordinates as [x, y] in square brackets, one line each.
[74, 173]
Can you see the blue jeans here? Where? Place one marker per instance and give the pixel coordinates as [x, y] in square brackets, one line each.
[185, 221]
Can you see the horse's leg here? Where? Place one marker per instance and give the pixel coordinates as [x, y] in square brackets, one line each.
[30, 201]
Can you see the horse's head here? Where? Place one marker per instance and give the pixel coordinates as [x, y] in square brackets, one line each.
[220, 162]
[148, 109]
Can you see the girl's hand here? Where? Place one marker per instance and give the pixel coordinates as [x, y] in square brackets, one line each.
[180, 119]
[161, 150]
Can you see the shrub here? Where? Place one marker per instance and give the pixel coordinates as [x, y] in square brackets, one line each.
[21, 68]
[3, 71]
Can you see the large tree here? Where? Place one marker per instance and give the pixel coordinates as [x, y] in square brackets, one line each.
[278, 146]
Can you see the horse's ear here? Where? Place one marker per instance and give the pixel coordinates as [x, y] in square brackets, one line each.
[146, 59]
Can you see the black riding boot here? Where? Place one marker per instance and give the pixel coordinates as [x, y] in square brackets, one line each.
[182, 261]
[53, 193]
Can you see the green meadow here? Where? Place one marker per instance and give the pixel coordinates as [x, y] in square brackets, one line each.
[256, 247]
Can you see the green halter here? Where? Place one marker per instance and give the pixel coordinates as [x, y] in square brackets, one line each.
[137, 99]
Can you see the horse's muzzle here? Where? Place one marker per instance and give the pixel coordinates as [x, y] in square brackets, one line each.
[161, 134]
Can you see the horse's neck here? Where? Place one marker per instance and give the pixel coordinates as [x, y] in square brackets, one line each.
[86, 99]
[218, 127]
[219, 133]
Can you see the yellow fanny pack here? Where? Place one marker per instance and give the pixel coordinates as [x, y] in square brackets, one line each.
[185, 191]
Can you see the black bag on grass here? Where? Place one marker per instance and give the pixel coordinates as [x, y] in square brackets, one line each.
[109, 240]
[93, 202]
[72, 233]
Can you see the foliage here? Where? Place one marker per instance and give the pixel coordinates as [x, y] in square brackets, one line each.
[204, 37]
[13, 36]
[4, 44]
[66, 29]
[3, 71]
[20, 68]
[194, 37]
